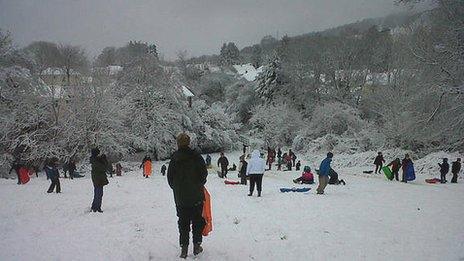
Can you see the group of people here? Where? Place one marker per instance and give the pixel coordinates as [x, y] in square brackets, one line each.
[406, 165]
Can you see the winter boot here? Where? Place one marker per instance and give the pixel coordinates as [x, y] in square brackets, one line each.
[183, 251]
[295, 181]
[342, 182]
[197, 249]
[259, 193]
[250, 194]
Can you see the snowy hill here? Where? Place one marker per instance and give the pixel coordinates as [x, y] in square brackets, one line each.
[368, 219]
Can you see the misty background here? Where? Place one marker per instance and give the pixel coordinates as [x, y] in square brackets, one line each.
[200, 27]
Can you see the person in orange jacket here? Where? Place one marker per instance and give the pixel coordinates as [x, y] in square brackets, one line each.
[146, 164]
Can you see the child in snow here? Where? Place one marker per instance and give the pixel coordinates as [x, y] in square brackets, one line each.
[395, 165]
[455, 168]
[52, 172]
[118, 169]
[324, 170]
[379, 160]
[234, 167]
[306, 178]
[255, 170]
[270, 157]
[242, 170]
[146, 164]
[163, 170]
[208, 161]
[298, 165]
[444, 169]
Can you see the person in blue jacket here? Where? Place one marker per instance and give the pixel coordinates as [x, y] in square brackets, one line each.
[324, 170]
[52, 172]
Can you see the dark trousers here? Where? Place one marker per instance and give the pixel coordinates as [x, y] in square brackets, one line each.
[378, 168]
[97, 197]
[443, 177]
[190, 216]
[395, 173]
[223, 171]
[258, 180]
[455, 178]
[55, 182]
[243, 179]
[403, 179]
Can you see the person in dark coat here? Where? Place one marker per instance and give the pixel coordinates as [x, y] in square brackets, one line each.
[395, 165]
[16, 165]
[71, 168]
[242, 171]
[163, 170]
[279, 153]
[298, 165]
[187, 176]
[52, 172]
[444, 169]
[404, 165]
[119, 169]
[292, 157]
[455, 169]
[379, 160]
[333, 178]
[99, 179]
[223, 162]
[208, 161]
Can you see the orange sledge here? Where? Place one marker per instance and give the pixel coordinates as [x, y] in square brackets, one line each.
[207, 214]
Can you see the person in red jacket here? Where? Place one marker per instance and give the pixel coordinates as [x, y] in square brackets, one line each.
[306, 178]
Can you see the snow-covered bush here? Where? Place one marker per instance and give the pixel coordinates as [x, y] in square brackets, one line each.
[277, 124]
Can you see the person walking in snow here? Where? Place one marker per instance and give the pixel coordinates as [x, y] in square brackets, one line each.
[444, 169]
[208, 161]
[99, 179]
[270, 157]
[378, 162]
[118, 169]
[405, 163]
[395, 165]
[455, 169]
[255, 170]
[71, 168]
[223, 162]
[163, 170]
[146, 165]
[187, 176]
[324, 171]
[242, 171]
[52, 172]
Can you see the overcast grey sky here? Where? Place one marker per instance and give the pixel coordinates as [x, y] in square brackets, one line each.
[198, 26]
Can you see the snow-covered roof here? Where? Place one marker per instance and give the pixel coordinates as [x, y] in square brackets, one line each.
[187, 92]
[114, 69]
[248, 71]
[57, 71]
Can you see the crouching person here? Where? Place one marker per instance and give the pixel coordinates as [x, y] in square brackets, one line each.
[306, 178]
[333, 178]
[187, 176]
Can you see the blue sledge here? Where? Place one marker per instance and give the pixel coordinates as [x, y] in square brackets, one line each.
[295, 189]
[410, 173]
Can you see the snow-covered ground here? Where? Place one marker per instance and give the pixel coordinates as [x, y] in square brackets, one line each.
[368, 219]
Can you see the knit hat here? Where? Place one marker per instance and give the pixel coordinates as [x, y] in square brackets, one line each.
[183, 140]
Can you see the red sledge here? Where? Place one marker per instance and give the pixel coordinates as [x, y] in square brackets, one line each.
[230, 182]
[433, 181]
[24, 175]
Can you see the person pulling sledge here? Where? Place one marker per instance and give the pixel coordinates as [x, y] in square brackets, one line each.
[223, 162]
[455, 169]
[306, 178]
[187, 176]
[444, 169]
[395, 165]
